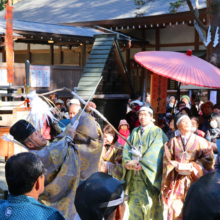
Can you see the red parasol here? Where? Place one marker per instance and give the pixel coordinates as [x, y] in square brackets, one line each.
[181, 67]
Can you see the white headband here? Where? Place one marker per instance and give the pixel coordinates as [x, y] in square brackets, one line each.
[184, 116]
[148, 109]
[117, 201]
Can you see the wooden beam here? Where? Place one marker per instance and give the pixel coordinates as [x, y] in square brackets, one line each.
[157, 39]
[83, 55]
[51, 55]
[60, 55]
[29, 52]
[196, 40]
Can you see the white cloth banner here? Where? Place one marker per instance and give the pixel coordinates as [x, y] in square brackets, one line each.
[40, 76]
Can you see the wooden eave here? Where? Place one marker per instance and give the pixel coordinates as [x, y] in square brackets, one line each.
[59, 39]
[39, 35]
[148, 20]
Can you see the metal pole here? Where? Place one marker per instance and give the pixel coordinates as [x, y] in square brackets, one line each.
[27, 71]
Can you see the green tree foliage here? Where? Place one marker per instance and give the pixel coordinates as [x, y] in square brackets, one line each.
[2, 4]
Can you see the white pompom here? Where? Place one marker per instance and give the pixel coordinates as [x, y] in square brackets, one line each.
[39, 108]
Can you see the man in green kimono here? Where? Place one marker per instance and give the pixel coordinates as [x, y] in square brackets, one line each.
[143, 173]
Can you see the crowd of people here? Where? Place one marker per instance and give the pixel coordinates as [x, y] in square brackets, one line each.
[154, 166]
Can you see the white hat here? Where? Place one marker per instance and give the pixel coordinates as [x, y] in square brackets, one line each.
[75, 101]
[59, 101]
[137, 102]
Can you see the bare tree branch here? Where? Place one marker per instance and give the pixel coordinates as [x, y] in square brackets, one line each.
[189, 3]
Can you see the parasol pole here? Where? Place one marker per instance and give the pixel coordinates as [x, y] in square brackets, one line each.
[144, 89]
[178, 92]
[177, 97]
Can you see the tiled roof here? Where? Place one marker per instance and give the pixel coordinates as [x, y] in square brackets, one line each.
[55, 12]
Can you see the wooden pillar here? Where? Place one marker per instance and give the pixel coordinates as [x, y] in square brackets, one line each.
[29, 52]
[60, 55]
[51, 55]
[83, 55]
[128, 60]
[196, 40]
[157, 39]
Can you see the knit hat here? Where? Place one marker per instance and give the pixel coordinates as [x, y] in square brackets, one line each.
[21, 130]
[123, 122]
[185, 96]
[98, 196]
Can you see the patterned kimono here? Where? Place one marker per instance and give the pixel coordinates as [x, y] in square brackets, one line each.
[176, 186]
[61, 180]
[143, 187]
[111, 160]
[89, 143]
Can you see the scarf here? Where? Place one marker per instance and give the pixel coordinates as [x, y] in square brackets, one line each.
[125, 134]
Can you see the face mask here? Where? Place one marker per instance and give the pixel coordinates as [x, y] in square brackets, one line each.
[214, 124]
[193, 129]
[171, 105]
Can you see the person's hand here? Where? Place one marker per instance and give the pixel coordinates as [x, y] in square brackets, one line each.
[131, 165]
[138, 167]
[127, 166]
[90, 104]
[72, 132]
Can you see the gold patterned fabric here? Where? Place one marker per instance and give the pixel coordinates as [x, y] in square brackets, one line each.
[175, 186]
[61, 180]
[111, 160]
[89, 142]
